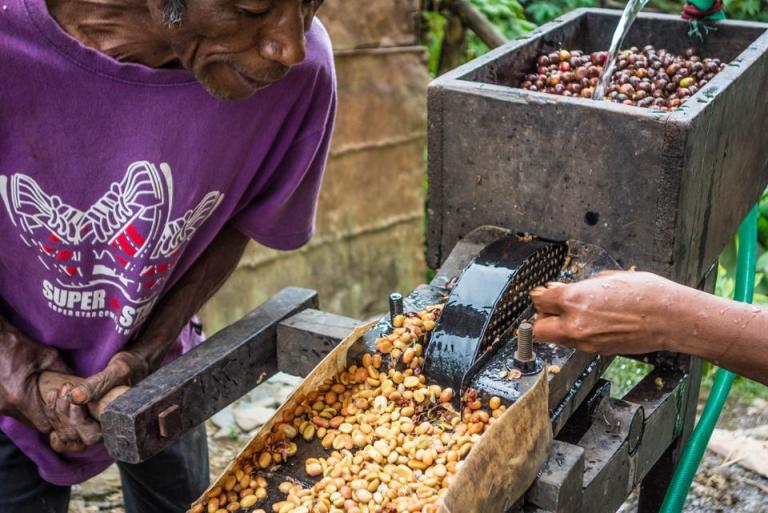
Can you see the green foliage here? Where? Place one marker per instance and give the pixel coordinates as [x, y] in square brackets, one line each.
[543, 11]
[755, 10]
[507, 15]
[624, 374]
[436, 30]
[727, 265]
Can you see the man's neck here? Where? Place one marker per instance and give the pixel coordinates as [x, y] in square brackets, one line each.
[122, 29]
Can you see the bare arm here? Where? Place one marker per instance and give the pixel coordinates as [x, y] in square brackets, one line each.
[633, 312]
[21, 363]
[158, 335]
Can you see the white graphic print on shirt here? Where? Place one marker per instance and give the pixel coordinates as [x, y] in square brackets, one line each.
[108, 260]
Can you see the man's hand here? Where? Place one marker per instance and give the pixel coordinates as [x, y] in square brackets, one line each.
[634, 313]
[22, 363]
[615, 312]
[124, 368]
[73, 427]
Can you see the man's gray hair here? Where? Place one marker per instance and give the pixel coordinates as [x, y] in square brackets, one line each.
[173, 11]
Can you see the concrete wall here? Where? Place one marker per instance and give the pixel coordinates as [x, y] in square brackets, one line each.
[369, 238]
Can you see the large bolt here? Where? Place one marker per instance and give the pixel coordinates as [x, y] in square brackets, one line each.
[525, 358]
[525, 342]
[395, 306]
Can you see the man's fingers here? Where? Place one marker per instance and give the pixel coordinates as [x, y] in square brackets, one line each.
[73, 429]
[93, 388]
[66, 431]
[56, 443]
[118, 372]
[548, 299]
[60, 445]
[40, 416]
[87, 428]
[550, 329]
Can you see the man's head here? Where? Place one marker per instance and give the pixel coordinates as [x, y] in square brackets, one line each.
[235, 47]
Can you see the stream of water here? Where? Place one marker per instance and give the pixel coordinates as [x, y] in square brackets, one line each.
[631, 11]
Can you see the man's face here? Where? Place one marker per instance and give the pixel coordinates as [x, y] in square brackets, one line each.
[236, 47]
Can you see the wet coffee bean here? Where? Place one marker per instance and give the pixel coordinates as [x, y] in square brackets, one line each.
[649, 77]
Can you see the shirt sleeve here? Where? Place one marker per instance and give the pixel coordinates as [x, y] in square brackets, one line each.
[283, 216]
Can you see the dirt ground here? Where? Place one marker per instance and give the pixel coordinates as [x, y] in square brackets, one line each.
[720, 486]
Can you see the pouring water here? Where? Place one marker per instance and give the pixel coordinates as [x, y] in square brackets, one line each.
[631, 11]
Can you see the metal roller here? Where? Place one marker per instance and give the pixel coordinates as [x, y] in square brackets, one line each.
[487, 302]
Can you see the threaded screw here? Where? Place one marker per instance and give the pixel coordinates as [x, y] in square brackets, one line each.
[395, 305]
[525, 342]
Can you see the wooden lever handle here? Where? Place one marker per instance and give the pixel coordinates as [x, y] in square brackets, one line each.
[54, 380]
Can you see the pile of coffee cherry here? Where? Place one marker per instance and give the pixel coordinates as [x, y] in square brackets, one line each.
[650, 78]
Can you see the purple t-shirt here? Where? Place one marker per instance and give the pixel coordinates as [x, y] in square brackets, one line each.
[114, 177]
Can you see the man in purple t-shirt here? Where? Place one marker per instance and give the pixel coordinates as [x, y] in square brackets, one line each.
[128, 191]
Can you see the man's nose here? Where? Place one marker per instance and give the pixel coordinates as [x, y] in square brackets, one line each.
[286, 43]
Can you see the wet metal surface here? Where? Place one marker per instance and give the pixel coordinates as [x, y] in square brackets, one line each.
[487, 301]
[490, 374]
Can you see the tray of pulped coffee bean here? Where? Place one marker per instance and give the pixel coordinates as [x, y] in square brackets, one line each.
[368, 431]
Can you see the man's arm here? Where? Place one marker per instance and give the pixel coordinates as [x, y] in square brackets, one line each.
[634, 313]
[146, 352]
[21, 363]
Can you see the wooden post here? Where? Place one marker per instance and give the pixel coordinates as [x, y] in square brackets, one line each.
[477, 23]
[454, 43]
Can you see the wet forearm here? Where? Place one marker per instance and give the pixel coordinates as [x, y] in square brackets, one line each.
[730, 334]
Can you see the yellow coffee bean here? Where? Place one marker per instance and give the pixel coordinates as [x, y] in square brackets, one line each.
[265, 460]
[313, 468]
[411, 381]
[384, 346]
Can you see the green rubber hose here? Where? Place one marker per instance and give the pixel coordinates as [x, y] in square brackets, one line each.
[694, 449]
